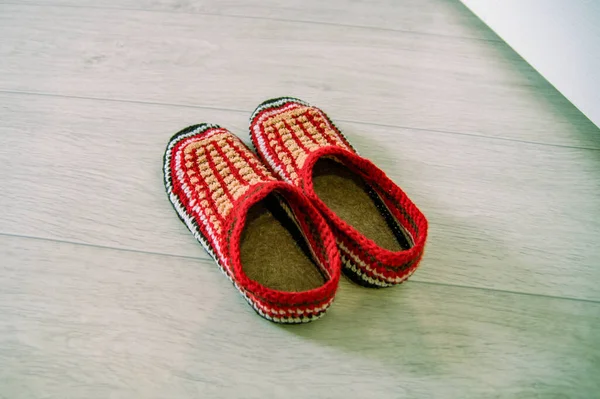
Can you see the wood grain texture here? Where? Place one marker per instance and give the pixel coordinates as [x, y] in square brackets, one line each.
[503, 215]
[436, 17]
[395, 78]
[115, 299]
[90, 323]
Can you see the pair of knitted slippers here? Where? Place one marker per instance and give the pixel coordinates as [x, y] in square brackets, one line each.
[283, 225]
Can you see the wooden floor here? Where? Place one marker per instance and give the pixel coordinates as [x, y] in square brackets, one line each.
[105, 294]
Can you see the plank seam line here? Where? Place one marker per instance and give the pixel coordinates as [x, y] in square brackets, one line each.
[435, 131]
[207, 258]
[225, 15]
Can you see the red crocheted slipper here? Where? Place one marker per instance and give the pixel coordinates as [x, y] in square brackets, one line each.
[380, 233]
[264, 234]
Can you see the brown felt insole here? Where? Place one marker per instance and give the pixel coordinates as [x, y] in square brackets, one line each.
[346, 194]
[273, 251]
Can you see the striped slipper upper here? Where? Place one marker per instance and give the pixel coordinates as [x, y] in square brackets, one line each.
[380, 233]
[264, 234]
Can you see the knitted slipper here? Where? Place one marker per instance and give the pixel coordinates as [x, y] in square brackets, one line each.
[380, 232]
[266, 237]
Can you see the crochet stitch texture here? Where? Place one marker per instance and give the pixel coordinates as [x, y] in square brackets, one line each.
[291, 136]
[212, 180]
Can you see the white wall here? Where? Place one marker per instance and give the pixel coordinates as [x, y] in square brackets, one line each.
[559, 38]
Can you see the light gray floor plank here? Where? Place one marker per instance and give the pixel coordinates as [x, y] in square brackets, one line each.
[91, 323]
[413, 84]
[503, 215]
[366, 75]
[438, 17]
